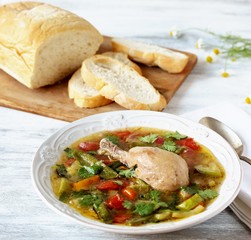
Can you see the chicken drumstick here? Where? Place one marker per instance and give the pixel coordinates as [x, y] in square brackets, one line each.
[161, 169]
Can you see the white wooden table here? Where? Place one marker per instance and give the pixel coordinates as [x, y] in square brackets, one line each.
[22, 213]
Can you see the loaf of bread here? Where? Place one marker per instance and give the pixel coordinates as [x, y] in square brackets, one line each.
[121, 83]
[83, 95]
[41, 44]
[151, 55]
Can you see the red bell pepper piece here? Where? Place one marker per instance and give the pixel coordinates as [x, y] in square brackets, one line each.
[115, 202]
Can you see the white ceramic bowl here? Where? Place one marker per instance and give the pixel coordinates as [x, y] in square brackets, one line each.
[50, 151]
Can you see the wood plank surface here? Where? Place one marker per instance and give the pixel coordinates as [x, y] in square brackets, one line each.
[53, 101]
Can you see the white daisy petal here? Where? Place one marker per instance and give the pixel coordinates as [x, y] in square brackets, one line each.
[175, 32]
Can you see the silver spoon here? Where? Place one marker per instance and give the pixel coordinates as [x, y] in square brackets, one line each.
[227, 133]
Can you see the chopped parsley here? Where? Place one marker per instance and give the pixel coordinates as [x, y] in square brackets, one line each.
[83, 173]
[169, 146]
[155, 195]
[192, 189]
[176, 135]
[144, 208]
[128, 173]
[89, 200]
[151, 138]
[88, 171]
[208, 194]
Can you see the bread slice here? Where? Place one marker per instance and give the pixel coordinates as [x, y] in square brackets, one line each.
[122, 57]
[41, 44]
[121, 83]
[83, 95]
[151, 55]
[87, 97]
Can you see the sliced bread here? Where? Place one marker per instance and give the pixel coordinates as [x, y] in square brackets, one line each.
[83, 95]
[151, 55]
[87, 97]
[121, 83]
[122, 57]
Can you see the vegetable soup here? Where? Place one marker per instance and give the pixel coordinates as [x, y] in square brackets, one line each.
[136, 176]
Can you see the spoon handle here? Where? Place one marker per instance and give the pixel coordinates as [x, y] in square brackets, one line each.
[245, 159]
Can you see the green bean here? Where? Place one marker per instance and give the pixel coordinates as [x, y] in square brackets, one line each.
[103, 212]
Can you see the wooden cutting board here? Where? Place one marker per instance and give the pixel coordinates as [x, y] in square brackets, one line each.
[53, 101]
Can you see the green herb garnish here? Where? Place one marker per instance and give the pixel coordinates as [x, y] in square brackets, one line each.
[208, 194]
[128, 173]
[155, 195]
[151, 138]
[192, 189]
[89, 200]
[144, 208]
[83, 173]
[175, 135]
[169, 146]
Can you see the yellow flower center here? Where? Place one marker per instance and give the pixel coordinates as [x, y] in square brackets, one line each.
[171, 33]
[216, 51]
[225, 74]
[209, 59]
[248, 100]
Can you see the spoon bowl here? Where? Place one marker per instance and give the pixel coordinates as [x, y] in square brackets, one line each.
[227, 133]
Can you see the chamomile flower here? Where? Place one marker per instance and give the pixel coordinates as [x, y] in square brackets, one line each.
[209, 59]
[225, 74]
[248, 100]
[216, 51]
[200, 44]
[175, 33]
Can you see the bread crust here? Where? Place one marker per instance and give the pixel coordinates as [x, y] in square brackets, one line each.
[123, 57]
[172, 63]
[110, 91]
[28, 29]
[86, 99]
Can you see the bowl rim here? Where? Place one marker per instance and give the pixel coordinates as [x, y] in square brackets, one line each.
[149, 228]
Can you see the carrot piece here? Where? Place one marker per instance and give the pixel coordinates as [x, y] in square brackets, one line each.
[86, 183]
